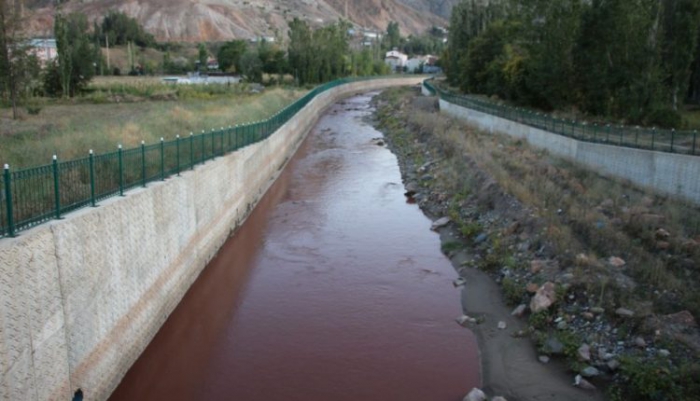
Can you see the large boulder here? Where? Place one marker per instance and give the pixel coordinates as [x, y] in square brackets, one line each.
[544, 297]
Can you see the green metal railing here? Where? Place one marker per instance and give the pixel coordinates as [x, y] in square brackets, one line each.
[662, 140]
[35, 195]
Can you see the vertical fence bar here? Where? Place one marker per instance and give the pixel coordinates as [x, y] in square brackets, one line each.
[56, 188]
[92, 179]
[695, 135]
[595, 132]
[222, 133]
[228, 147]
[622, 131]
[177, 153]
[202, 159]
[143, 163]
[192, 150]
[673, 134]
[162, 159]
[121, 169]
[653, 137]
[636, 137]
[213, 143]
[607, 134]
[8, 201]
[237, 132]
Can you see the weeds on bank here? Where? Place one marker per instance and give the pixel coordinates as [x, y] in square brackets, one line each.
[583, 213]
[584, 219]
[70, 130]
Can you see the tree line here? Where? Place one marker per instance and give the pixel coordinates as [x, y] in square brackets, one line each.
[312, 55]
[636, 60]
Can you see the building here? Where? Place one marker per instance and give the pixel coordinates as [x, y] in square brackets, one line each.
[396, 60]
[415, 64]
[44, 49]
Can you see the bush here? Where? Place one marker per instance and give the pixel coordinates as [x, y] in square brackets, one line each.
[513, 291]
[664, 118]
[33, 109]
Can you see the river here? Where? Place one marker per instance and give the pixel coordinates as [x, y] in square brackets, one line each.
[334, 289]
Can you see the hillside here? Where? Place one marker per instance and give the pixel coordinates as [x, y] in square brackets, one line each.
[217, 20]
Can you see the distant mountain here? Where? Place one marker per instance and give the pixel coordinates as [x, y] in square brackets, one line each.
[217, 20]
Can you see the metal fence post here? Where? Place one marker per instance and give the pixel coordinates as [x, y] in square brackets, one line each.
[143, 163]
[213, 143]
[8, 202]
[636, 137]
[162, 159]
[203, 135]
[192, 150]
[653, 137]
[595, 132]
[120, 153]
[673, 134]
[56, 188]
[222, 132]
[695, 135]
[622, 131]
[236, 135]
[92, 179]
[177, 152]
[228, 147]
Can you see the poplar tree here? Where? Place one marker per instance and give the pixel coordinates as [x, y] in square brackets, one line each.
[76, 53]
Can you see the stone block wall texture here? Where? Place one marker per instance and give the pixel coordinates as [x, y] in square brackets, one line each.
[81, 298]
[674, 174]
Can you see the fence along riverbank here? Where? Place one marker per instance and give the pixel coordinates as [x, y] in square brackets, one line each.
[661, 140]
[35, 195]
[662, 160]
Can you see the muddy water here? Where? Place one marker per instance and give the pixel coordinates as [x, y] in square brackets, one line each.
[334, 289]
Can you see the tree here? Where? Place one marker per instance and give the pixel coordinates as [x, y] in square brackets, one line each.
[229, 55]
[117, 28]
[681, 20]
[15, 57]
[76, 53]
[393, 35]
[251, 66]
[272, 58]
[468, 20]
[202, 56]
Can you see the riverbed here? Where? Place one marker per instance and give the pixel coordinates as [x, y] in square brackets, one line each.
[334, 289]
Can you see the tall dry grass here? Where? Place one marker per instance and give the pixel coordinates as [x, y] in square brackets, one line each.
[586, 218]
[70, 130]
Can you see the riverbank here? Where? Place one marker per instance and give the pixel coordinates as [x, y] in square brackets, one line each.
[597, 273]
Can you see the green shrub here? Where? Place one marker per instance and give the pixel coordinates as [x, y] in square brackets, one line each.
[513, 291]
[664, 118]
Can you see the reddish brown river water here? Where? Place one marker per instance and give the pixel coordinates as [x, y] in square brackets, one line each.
[333, 290]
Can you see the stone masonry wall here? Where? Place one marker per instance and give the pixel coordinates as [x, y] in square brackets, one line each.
[81, 298]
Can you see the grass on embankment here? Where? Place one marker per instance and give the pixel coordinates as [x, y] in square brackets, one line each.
[126, 112]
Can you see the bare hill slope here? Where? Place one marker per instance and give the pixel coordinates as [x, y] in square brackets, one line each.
[216, 20]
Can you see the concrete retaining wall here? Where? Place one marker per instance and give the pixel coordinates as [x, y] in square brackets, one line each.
[80, 298]
[674, 174]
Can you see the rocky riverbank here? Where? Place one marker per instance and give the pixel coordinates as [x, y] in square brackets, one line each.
[577, 286]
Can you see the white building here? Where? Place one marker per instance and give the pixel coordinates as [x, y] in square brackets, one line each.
[44, 49]
[396, 60]
[415, 64]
